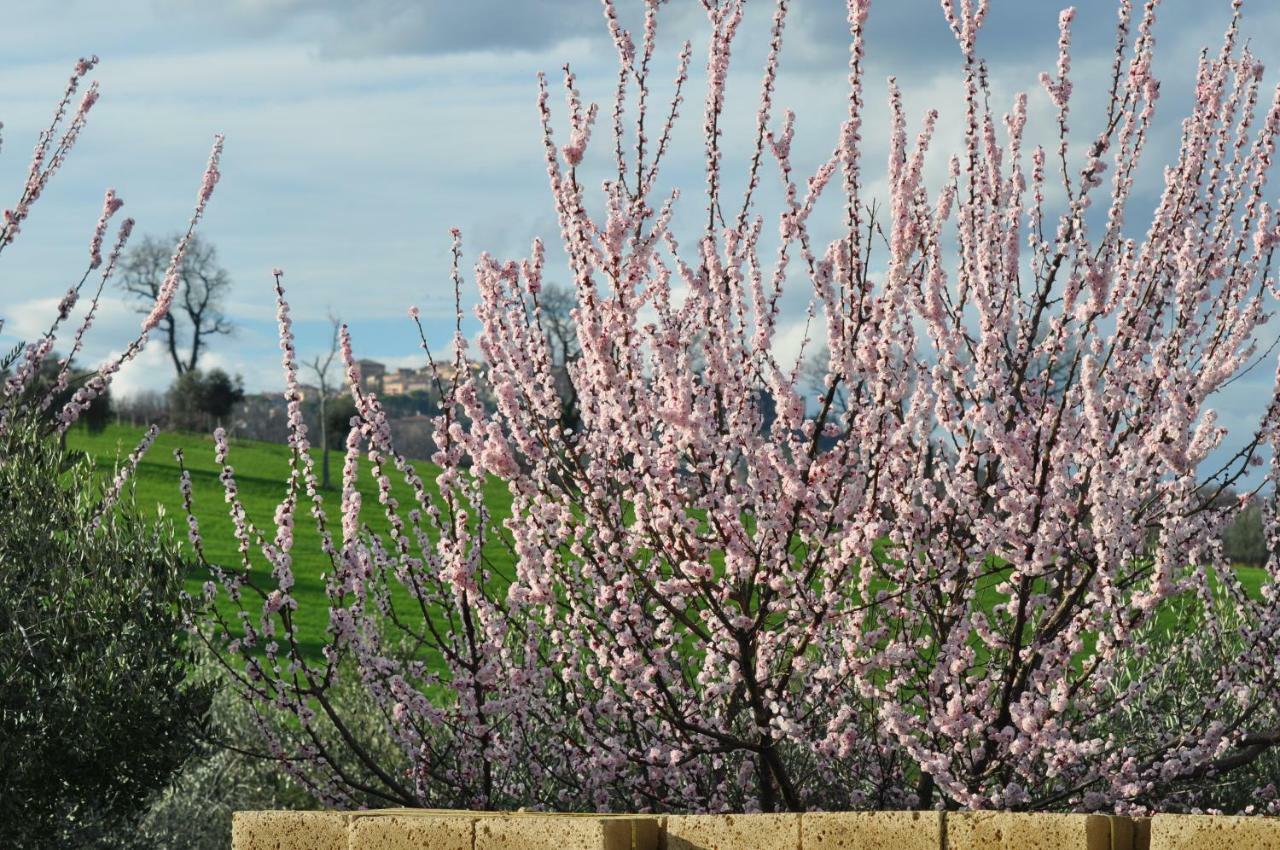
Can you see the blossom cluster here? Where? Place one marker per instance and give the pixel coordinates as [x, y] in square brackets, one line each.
[950, 578]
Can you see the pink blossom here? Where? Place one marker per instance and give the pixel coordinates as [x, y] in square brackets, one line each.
[939, 573]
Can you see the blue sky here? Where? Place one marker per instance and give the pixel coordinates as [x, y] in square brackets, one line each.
[358, 133]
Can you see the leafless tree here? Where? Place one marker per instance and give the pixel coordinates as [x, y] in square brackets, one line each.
[813, 378]
[556, 302]
[321, 366]
[197, 311]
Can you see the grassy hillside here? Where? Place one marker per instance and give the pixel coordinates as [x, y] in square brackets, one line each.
[261, 473]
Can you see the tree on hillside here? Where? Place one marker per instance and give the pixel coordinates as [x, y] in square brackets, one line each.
[198, 399]
[555, 305]
[813, 378]
[197, 314]
[221, 394]
[322, 367]
[53, 385]
[338, 415]
[1244, 540]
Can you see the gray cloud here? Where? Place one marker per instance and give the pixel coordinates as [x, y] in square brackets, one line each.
[344, 29]
[910, 38]
[358, 132]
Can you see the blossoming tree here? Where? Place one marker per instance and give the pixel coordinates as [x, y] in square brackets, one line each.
[966, 585]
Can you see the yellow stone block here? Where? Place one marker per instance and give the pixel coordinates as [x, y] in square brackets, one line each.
[871, 831]
[731, 832]
[1211, 832]
[1016, 831]
[411, 832]
[529, 831]
[289, 831]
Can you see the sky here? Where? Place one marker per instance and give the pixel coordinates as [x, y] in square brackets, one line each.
[357, 134]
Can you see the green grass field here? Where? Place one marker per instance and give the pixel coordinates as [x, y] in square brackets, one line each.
[261, 473]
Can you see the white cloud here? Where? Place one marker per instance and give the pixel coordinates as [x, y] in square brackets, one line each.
[353, 145]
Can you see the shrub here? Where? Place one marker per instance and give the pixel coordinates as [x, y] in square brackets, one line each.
[198, 398]
[95, 712]
[1244, 540]
[54, 385]
[225, 775]
[715, 593]
[95, 708]
[1175, 677]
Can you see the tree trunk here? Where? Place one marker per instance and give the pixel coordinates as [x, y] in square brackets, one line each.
[924, 791]
[324, 441]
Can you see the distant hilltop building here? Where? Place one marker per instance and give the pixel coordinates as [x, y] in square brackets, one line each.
[372, 374]
[406, 381]
[375, 377]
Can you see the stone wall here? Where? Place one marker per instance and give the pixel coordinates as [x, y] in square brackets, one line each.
[422, 829]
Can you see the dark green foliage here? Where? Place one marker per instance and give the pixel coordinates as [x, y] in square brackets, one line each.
[99, 413]
[96, 710]
[337, 414]
[416, 403]
[194, 811]
[199, 399]
[221, 393]
[1244, 540]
